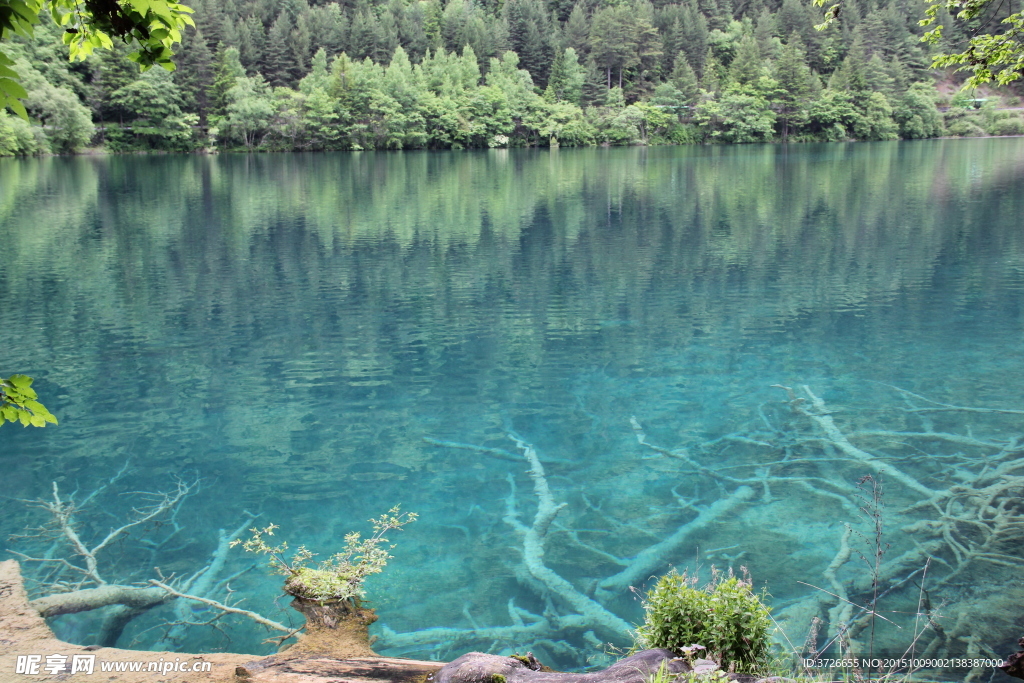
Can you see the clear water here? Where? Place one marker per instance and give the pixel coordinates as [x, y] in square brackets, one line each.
[294, 330]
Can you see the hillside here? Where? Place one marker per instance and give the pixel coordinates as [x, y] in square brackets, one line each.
[295, 75]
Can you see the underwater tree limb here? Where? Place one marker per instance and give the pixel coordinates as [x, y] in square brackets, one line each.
[124, 603]
[533, 538]
[62, 512]
[87, 599]
[258, 618]
[203, 584]
[652, 558]
[821, 417]
[459, 637]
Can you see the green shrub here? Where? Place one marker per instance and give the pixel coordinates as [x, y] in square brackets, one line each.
[726, 617]
[965, 128]
[1007, 126]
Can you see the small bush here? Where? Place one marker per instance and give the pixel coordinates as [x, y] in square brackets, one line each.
[965, 128]
[725, 616]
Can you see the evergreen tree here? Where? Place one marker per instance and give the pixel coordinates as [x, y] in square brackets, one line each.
[746, 67]
[211, 19]
[576, 31]
[851, 75]
[114, 70]
[195, 73]
[684, 80]
[649, 49]
[716, 18]
[251, 40]
[412, 34]
[613, 40]
[695, 36]
[432, 24]
[764, 31]
[672, 43]
[227, 70]
[877, 76]
[300, 41]
[531, 36]
[319, 75]
[567, 77]
[279, 66]
[711, 77]
[594, 84]
[796, 16]
[795, 86]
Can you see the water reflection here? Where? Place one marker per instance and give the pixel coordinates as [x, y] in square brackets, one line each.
[294, 329]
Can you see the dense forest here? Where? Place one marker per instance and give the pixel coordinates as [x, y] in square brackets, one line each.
[282, 75]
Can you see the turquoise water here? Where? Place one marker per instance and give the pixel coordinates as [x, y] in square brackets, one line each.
[299, 332]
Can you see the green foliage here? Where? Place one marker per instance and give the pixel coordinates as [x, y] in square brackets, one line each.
[18, 403]
[151, 107]
[18, 138]
[915, 113]
[725, 617]
[153, 26]
[341, 576]
[1006, 125]
[67, 123]
[736, 117]
[388, 74]
[965, 128]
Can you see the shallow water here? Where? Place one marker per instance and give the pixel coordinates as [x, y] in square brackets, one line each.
[299, 332]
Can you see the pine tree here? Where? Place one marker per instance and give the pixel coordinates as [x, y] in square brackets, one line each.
[251, 40]
[319, 75]
[531, 36]
[795, 83]
[672, 43]
[300, 42]
[567, 77]
[613, 40]
[764, 32]
[576, 31]
[362, 38]
[649, 49]
[694, 39]
[227, 70]
[877, 77]
[195, 72]
[796, 16]
[114, 71]
[851, 75]
[684, 80]
[747, 64]
[453, 22]
[385, 38]
[328, 26]
[211, 18]
[411, 32]
[716, 18]
[594, 85]
[711, 76]
[279, 57]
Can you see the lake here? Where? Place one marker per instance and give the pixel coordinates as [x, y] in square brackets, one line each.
[317, 338]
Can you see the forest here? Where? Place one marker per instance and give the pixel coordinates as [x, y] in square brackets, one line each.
[308, 75]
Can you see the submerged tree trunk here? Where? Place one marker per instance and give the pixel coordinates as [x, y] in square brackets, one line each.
[336, 628]
[331, 613]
